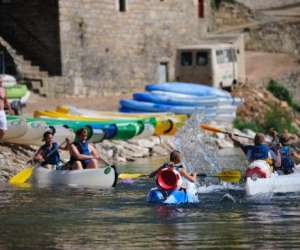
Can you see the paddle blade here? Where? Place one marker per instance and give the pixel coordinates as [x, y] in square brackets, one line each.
[233, 176]
[21, 177]
[212, 129]
[125, 176]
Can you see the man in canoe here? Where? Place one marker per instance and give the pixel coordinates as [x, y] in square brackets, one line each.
[83, 154]
[176, 163]
[259, 151]
[3, 103]
[48, 154]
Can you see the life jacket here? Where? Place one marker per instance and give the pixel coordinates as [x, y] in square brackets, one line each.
[83, 148]
[258, 152]
[287, 163]
[51, 155]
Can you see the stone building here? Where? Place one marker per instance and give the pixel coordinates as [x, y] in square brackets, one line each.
[84, 47]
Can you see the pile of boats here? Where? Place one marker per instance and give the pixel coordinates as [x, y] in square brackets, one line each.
[66, 120]
[15, 92]
[184, 98]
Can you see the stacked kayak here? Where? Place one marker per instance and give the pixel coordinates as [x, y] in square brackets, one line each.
[17, 93]
[91, 178]
[184, 98]
[30, 132]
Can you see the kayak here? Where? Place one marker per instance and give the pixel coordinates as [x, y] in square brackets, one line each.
[274, 184]
[92, 178]
[176, 197]
[17, 91]
[187, 88]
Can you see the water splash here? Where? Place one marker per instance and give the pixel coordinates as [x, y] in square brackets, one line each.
[199, 149]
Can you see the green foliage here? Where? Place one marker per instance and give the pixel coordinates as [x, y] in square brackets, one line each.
[253, 125]
[277, 118]
[280, 91]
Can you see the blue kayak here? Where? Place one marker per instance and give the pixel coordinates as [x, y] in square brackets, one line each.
[138, 106]
[173, 100]
[174, 197]
[187, 88]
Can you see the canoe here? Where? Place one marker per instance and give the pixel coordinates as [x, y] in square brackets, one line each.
[187, 88]
[176, 197]
[33, 135]
[162, 98]
[274, 184]
[162, 125]
[17, 91]
[128, 105]
[15, 128]
[92, 178]
[8, 80]
[188, 99]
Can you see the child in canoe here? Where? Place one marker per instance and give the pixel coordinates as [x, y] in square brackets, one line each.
[176, 164]
[48, 154]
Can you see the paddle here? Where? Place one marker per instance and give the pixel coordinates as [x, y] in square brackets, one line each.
[217, 130]
[25, 174]
[227, 175]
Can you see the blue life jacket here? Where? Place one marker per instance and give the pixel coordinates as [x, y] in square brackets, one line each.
[287, 163]
[259, 152]
[51, 155]
[83, 148]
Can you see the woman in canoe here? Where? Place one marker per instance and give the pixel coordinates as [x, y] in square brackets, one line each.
[175, 163]
[83, 154]
[48, 154]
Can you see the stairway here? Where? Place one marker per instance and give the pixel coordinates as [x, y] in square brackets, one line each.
[35, 78]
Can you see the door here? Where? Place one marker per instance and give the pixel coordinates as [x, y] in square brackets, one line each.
[203, 67]
[163, 72]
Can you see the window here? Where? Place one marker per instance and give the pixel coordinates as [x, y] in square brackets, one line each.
[200, 8]
[122, 5]
[220, 56]
[186, 58]
[202, 58]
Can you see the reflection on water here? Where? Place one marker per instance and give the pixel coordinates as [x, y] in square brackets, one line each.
[63, 218]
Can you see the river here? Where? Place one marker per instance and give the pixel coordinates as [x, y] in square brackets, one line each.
[120, 218]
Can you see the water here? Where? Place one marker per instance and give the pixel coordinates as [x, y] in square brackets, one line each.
[64, 218]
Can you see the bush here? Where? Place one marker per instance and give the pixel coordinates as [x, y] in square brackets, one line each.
[276, 118]
[280, 92]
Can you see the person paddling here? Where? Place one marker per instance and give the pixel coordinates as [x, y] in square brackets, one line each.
[48, 154]
[259, 151]
[83, 154]
[175, 162]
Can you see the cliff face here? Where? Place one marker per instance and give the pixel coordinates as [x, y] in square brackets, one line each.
[267, 4]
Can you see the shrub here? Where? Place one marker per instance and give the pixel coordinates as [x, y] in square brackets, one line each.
[280, 91]
[253, 125]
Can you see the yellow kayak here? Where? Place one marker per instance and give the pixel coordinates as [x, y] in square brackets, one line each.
[167, 125]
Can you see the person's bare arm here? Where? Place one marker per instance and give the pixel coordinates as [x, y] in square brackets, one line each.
[76, 154]
[7, 104]
[190, 177]
[96, 155]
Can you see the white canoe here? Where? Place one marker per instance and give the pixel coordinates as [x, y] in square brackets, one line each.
[33, 135]
[15, 128]
[93, 178]
[274, 184]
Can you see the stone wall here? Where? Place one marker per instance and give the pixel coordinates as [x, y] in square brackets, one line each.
[267, 4]
[277, 37]
[32, 28]
[103, 48]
